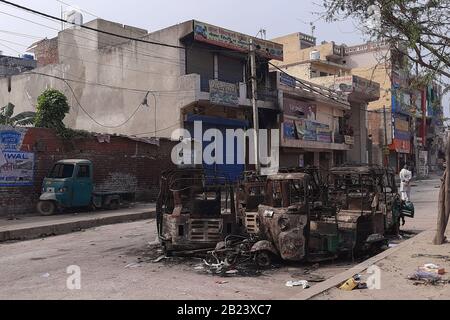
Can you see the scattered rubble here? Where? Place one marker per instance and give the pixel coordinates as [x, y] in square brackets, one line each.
[432, 256]
[300, 283]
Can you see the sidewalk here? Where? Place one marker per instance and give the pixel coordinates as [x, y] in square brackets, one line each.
[399, 262]
[33, 227]
[395, 270]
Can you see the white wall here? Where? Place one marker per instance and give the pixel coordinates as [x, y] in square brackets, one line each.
[131, 65]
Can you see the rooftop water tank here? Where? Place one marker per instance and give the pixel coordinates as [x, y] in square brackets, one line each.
[314, 55]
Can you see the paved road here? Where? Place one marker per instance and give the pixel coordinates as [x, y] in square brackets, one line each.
[109, 260]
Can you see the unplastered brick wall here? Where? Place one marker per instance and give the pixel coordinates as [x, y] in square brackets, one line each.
[121, 164]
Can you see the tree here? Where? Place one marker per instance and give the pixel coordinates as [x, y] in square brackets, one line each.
[51, 110]
[418, 29]
[21, 119]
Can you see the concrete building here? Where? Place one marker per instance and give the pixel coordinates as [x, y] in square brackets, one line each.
[10, 66]
[312, 121]
[325, 65]
[201, 74]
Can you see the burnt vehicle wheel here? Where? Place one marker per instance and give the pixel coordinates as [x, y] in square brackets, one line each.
[263, 259]
[46, 208]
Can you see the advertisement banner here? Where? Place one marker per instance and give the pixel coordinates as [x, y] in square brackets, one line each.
[324, 135]
[401, 125]
[289, 130]
[236, 41]
[299, 109]
[11, 138]
[287, 80]
[18, 169]
[223, 93]
[401, 146]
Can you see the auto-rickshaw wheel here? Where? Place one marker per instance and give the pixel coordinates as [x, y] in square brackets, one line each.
[263, 259]
[46, 208]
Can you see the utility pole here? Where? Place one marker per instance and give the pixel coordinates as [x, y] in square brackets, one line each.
[254, 103]
[385, 149]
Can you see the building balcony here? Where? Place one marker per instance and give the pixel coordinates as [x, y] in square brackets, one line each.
[196, 88]
[314, 145]
[336, 52]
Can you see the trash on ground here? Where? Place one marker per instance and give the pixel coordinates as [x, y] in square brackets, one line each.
[159, 259]
[357, 277]
[431, 256]
[301, 283]
[393, 245]
[427, 278]
[132, 266]
[221, 282]
[310, 277]
[232, 272]
[349, 285]
[432, 268]
[362, 286]
[45, 275]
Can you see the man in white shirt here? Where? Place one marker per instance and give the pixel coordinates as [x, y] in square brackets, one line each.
[405, 185]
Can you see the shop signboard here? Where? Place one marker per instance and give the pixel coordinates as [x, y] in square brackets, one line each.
[223, 93]
[224, 38]
[299, 109]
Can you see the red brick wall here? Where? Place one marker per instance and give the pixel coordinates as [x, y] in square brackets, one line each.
[121, 160]
[46, 52]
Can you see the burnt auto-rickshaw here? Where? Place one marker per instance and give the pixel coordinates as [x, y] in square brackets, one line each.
[250, 193]
[368, 205]
[195, 211]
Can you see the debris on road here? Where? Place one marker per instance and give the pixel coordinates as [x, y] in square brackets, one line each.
[432, 256]
[133, 265]
[426, 278]
[354, 283]
[310, 277]
[301, 283]
[432, 268]
[159, 259]
[349, 285]
[45, 275]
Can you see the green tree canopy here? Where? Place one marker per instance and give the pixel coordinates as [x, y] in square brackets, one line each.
[417, 29]
[51, 110]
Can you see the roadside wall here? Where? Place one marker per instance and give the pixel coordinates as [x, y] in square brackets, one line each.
[119, 163]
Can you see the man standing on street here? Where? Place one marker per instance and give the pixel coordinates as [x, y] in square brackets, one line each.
[405, 186]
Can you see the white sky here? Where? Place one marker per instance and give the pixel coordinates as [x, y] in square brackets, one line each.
[278, 17]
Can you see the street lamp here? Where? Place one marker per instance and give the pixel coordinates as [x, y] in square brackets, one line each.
[145, 104]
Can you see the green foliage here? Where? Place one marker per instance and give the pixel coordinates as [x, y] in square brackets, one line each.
[51, 110]
[22, 119]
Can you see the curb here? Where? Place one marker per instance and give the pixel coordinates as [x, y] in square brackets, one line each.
[70, 227]
[344, 276]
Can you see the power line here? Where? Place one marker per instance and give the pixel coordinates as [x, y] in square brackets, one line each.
[85, 11]
[48, 16]
[101, 64]
[93, 119]
[10, 48]
[175, 61]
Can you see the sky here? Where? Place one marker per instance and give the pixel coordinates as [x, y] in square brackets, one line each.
[277, 17]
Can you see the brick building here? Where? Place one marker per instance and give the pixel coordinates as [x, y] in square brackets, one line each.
[119, 162]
